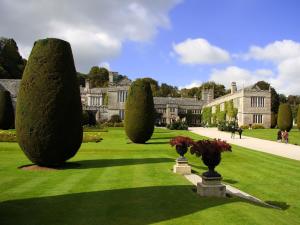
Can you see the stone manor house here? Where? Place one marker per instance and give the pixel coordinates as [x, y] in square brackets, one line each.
[253, 104]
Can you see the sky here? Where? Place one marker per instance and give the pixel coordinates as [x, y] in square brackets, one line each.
[179, 42]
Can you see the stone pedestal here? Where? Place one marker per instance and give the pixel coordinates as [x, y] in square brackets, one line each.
[182, 166]
[211, 187]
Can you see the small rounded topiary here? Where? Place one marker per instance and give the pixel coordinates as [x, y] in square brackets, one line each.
[139, 112]
[7, 118]
[49, 111]
[285, 117]
[298, 118]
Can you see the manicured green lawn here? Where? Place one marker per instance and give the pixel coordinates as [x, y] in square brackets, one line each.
[271, 134]
[132, 184]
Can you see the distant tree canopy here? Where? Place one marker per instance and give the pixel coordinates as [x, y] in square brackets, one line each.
[219, 90]
[11, 63]
[98, 76]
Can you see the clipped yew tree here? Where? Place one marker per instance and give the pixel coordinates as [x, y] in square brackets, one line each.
[298, 118]
[7, 119]
[49, 111]
[285, 117]
[139, 112]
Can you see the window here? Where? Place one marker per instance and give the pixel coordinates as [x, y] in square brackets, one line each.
[122, 114]
[161, 110]
[257, 101]
[257, 118]
[172, 109]
[122, 96]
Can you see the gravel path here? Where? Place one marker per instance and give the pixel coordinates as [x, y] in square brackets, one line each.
[285, 150]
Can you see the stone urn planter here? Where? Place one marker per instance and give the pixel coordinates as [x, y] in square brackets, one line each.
[182, 145]
[210, 153]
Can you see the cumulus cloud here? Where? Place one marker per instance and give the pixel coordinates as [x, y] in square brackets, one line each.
[276, 52]
[200, 51]
[194, 83]
[95, 29]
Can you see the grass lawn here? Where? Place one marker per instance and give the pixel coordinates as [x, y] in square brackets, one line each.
[132, 184]
[271, 134]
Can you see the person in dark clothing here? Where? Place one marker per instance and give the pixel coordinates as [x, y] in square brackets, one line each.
[279, 136]
[240, 131]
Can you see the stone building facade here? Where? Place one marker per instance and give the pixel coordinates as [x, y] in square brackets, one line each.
[252, 103]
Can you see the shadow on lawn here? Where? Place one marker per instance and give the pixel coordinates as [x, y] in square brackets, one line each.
[99, 163]
[133, 206]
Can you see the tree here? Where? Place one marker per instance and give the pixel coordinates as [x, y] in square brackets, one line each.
[49, 112]
[153, 84]
[98, 76]
[285, 118]
[298, 118]
[273, 120]
[11, 62]
[275, 100]
[282, 98]
[6, 111]
[166, 90]
[139, 112]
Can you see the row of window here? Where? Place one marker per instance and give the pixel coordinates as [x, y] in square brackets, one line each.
[257, 101]
[172, 110]
[95, 101]
[257, 118]
[122, 96]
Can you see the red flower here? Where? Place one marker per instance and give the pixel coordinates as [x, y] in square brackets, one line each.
[209, 146]
[181, 141]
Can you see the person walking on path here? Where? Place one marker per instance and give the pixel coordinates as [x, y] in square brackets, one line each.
[286, 136]
[279, 136]
[232, 131]
[240, 131]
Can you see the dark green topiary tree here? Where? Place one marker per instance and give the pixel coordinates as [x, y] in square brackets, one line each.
[139, 112]
[285, 118]
[273, 120]
[49, 112]
[7, 118]
[298, 118]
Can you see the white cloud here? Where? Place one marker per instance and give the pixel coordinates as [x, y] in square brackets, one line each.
[105, 65]
[276, 52]
[195, 83]
[96, 29]
[233, 73]
[200, 51]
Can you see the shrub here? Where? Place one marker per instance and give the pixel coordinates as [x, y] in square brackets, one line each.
[49, 112]
[6, 111]
[227, 126]
[257, 126]
[88, 118]
[115, 119]
[285, 118]
[245, 127]
[273, 120]
[120, 124]
[178, 126]
[298, 118]
[8, 136]
[91, 137]
[139, 112]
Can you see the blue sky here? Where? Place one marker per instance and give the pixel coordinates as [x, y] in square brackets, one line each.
[180, 42]
[233, 25]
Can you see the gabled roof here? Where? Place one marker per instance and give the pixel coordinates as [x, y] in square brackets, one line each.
[177, 101]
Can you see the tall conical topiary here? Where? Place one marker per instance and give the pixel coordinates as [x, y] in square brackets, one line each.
[49, 111]
[285, 117]
[139, 112]
[298, 118]
[7, 118]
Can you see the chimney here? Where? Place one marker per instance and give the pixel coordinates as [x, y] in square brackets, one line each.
[111, 77]
[87, 84]
[233, 87]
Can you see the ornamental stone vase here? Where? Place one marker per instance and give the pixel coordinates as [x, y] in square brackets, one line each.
[181, 150]
[211, 159]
